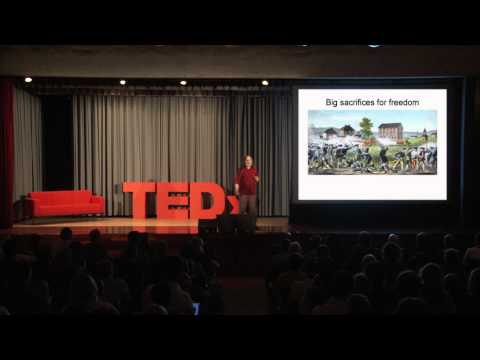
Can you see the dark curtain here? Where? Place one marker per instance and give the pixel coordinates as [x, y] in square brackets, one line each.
[188, 137]
[6, 153]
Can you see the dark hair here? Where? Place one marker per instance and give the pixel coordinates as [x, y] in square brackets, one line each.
[360, 283]
[66, 234]
[365, 238]
[95, 236]
[451, 257]
[285, 243]
[104, 269]
[375, 274]
[423, 240]
[359, 305]
[161, 294]
[411, 306]
[342, 283]
[83, 289]
[474, 283]
[407, 284]
[449, 241]
[391, 252]
[323, 251]
[452, 284]
[174, 267]
[476, 237]
[296, 261]
[431, 276]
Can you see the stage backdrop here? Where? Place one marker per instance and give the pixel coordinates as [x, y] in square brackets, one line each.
[197, 136]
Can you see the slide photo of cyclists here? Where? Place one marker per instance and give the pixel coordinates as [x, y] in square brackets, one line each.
[380, 142]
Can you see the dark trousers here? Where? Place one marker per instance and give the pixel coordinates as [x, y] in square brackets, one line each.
[248, 204]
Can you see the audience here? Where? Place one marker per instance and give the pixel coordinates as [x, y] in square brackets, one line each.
[315, 275]
[337, 303]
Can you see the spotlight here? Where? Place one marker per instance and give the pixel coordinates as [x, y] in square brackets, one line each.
[28, 79]
[374, 46]
[303, 45]
[183, 83]
[123, 82]
[264, 82]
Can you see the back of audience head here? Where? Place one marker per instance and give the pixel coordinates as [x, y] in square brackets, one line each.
[104, 269]
[411, 306]
[161, 294]
[391, 253]
[431, 277]
[368, 259]
[21, 275]
[295, 247]
[474, 283]
[407, 284]
[83, 290]
[285, 244]
[175, 267]
[66, 235]
[197, 245]
[295, 261]
[451, 258]
[342, 284]
[452, 284]
[449, 241]
[40, 290]
[375, 274]
[393, 238]
[361, 285]
[155, 309]
[359, 305]
[365, 239]
[476, 239]
[162, 248]
[424, 241]
[323, 251]
[95, 236]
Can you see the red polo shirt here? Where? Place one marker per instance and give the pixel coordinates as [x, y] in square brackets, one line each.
[246, 180]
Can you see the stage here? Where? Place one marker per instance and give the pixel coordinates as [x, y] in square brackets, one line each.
[117, 228]
[121, 226]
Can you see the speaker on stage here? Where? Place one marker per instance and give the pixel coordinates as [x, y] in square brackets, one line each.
[246, 223]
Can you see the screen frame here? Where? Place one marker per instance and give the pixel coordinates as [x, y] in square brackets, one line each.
[454, 92]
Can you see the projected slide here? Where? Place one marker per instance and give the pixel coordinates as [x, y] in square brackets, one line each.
[375, 144]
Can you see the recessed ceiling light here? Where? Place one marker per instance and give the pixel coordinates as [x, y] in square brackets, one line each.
[303, 45]
[183, 83]
[123, 82]
[265, 82]
[28, 80]
[374, 46]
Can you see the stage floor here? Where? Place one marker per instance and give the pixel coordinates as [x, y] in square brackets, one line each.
[123, 225]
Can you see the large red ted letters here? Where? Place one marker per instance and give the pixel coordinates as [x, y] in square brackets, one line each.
[193, 204]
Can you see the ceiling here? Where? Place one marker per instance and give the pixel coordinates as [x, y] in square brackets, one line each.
[237, 61]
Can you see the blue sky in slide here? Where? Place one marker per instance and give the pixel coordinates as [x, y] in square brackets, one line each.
[412, 120]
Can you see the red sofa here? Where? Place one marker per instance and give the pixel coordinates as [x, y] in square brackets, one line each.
[74, 202]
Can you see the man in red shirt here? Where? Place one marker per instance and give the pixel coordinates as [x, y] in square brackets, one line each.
[246, 187]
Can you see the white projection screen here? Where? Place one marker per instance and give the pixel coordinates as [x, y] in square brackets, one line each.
[372, 144]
